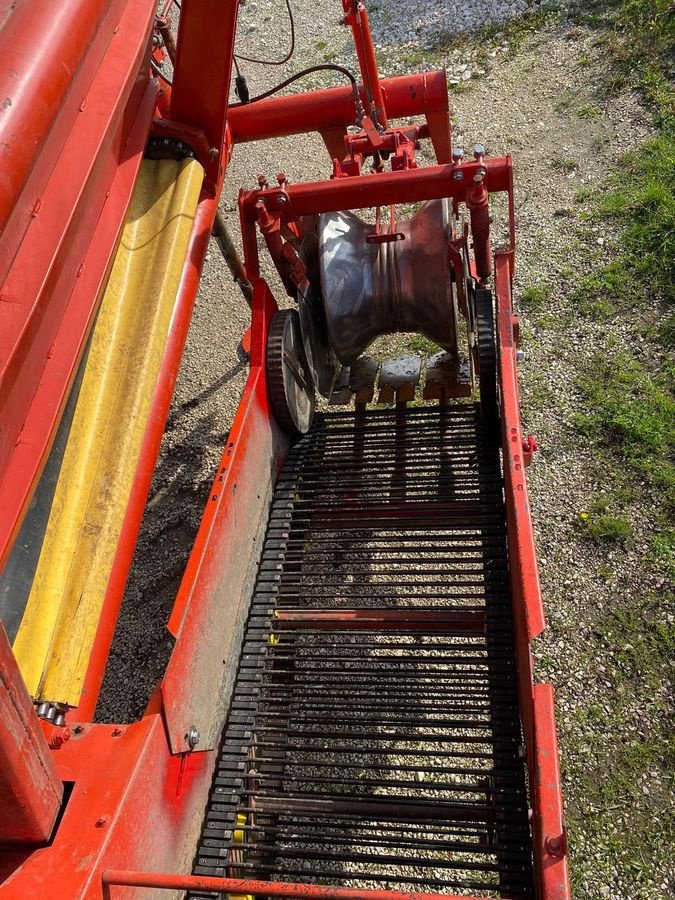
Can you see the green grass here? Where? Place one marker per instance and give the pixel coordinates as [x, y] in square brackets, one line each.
[589, 112]
[421, 345]
[605, 529]
[630, 399]
[535, 296]
[620, 812]
[563, 163]
[618, 750]
[630, 411]
[600, 522]
[643, 202]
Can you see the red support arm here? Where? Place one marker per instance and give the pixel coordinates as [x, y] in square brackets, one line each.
[381, 189]
[407, 95]
[201, 81]
[30, 790]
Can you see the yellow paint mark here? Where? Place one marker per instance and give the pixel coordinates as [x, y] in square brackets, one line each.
[59, 625]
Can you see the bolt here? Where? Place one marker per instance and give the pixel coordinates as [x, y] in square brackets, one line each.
[520, 355]
[478, 151]
[101, 822]
[281, 178]
[262, 181]
[192, 737]
[58, 739]
[457, 154]
[556, 845]
[281, 199]
[78, 729]
[458, 176]
[213, 153]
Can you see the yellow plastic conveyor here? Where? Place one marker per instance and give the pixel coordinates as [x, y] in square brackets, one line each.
[55, 637]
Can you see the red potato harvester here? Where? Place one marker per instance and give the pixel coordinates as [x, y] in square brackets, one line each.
[349, 709]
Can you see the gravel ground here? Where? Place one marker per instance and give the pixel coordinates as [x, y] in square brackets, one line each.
[531, 94]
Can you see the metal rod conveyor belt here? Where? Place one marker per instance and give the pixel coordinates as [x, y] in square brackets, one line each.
[373, 736]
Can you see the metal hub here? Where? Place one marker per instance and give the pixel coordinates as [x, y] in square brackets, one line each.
[321, 358]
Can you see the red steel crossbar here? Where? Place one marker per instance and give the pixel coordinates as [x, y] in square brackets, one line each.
[257, 888]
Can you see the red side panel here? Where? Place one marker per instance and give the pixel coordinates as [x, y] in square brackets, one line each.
[49, 295]
[536, 700]
[30, 789]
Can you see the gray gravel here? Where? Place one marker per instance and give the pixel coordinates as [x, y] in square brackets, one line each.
[526, 103]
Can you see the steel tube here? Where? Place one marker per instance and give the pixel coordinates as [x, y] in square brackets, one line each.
[405, 95]
[357, 17]
[385, 188]
[255, 888]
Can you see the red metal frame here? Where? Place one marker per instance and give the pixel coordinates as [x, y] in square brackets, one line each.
[536, 701]
[78, 193]
[244, 887]
[330, 111]
[69, 221]
[30, 789]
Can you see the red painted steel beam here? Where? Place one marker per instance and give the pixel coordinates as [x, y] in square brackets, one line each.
[451, 620]
[49, 53]
[30, 789]
[521, 533]
[243, 887]
[536, 701]
[405, 96]
[48, 299]
[550, 834]
[382, 188]
[203, 70]
[356, 16]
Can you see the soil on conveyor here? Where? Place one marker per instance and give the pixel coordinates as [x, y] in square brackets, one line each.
[512, 96]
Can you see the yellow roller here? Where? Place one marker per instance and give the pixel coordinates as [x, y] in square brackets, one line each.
[59, 624]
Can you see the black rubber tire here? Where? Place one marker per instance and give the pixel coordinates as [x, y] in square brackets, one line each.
[293, 407]
[487, 363]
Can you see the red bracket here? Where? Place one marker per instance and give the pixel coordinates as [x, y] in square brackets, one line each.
[530, 447]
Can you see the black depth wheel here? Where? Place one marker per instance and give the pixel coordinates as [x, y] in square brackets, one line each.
[487, 363]
[288, 375]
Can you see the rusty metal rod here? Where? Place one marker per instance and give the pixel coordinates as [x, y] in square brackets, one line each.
[231, 256]
[245, 886]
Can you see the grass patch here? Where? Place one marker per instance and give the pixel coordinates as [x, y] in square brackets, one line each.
[631, 413]
[535, 296]
[583, 194]
[620, 815]
[604, 529]
[601, 524]
[619, 751]
[563, 163]
[589, 112]
[423, 346]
